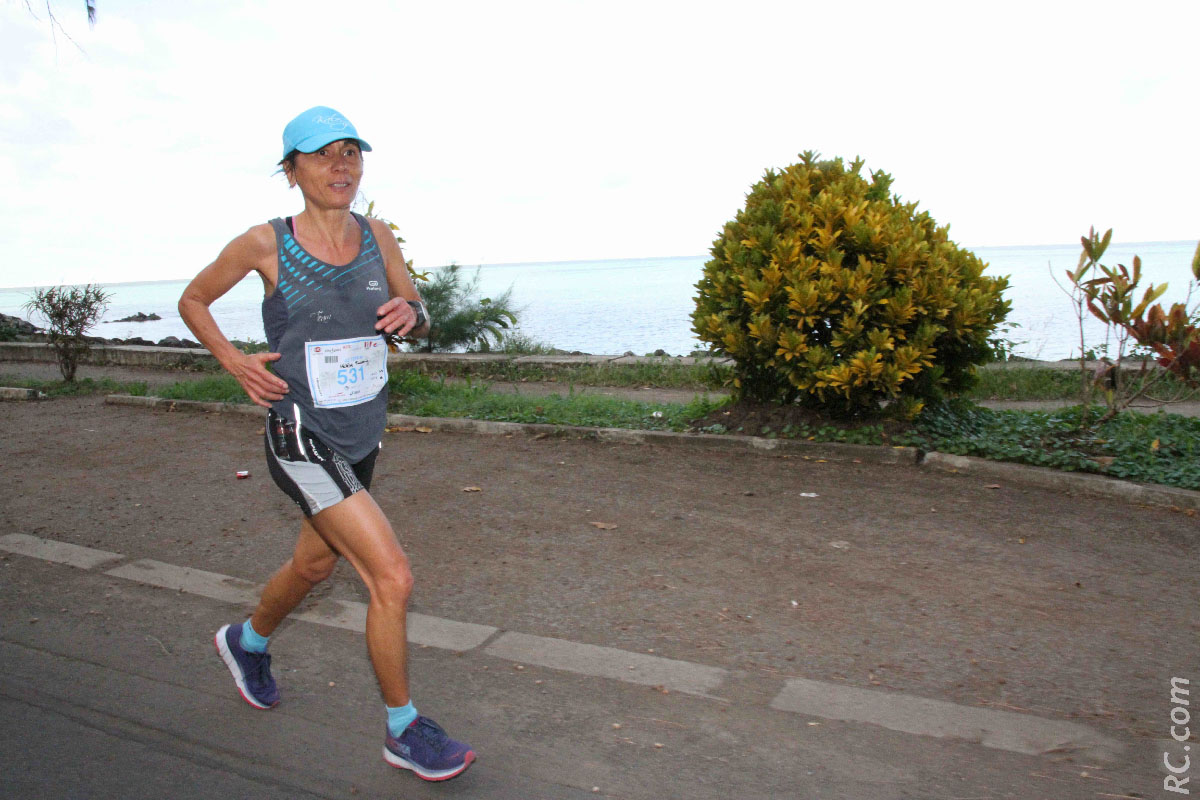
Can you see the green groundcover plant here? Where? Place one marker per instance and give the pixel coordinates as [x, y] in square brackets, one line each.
[1153, 448]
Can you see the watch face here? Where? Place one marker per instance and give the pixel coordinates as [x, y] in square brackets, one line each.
[420, 309]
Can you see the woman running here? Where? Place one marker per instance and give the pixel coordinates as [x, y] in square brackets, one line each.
[335, 285]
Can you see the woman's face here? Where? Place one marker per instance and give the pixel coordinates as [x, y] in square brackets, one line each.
[329, 176]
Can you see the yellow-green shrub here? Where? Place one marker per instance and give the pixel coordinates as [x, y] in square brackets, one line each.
[828, 291]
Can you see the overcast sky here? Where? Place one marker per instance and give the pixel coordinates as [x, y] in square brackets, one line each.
[543, 131]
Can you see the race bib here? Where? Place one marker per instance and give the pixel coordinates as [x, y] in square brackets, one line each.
[346, 372]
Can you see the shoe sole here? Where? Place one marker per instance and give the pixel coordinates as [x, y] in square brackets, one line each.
[227, 656]
[429, 775]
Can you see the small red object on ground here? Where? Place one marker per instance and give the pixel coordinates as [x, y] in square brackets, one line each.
[245, 473]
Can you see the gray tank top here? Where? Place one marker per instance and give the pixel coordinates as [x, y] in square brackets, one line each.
[321, 318]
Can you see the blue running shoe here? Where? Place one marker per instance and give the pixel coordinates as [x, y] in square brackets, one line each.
[425, 748]
[251, 671]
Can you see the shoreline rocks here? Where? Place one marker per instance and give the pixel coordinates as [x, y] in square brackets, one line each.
[138, 317]
[20, 326]
[28, 332]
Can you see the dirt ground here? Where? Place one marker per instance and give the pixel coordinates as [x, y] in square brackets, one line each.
[773, 566]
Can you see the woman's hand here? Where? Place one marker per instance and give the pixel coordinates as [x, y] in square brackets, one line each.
[259, 383]
[396, 316]
[253, 250]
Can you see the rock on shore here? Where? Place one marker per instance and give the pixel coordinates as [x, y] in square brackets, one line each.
[28, 332]
[22, 327]
[138, 317]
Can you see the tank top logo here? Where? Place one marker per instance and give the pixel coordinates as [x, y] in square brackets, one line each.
[373, 286]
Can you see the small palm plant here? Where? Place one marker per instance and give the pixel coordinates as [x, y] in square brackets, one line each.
[458, 317]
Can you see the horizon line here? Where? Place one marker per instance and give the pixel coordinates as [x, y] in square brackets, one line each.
[594, 260]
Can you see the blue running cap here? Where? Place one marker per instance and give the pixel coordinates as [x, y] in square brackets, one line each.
[318, 126]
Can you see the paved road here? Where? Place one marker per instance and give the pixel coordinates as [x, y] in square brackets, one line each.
[940, 640]
[96, 706]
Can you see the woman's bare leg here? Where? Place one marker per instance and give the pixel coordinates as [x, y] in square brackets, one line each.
[312, 562]
[357, 529]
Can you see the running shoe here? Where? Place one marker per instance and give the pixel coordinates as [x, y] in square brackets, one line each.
[251, 671]
[425, 748]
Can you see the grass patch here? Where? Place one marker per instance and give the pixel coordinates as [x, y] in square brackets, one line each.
[250, 345]
[420, 395]
[1026, 383]
[1034, 383]
[82, 387]
[221, 388]
[663, 374]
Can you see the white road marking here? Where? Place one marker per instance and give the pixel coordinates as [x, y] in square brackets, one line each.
[1002, 730]
[608, 662]
[446, 634]
[59, 552]
[186, 579]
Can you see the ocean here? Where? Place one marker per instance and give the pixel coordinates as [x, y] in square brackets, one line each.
[642, 305]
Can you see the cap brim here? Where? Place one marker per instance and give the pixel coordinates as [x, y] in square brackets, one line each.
[314, 143]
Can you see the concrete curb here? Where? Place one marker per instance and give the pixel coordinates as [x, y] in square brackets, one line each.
[866, 454]
[11, 393]
[1068, 482]
[1037, 477]
[166, 404]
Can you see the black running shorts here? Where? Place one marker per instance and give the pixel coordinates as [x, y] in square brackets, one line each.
[308, 470]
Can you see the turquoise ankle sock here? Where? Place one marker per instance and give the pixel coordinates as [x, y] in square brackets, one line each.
[400, 717]
[252, 641]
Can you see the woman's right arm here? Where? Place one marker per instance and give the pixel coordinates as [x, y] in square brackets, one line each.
[254, 250]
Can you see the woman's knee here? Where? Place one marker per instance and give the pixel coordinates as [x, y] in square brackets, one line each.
[315, 569]
[394, 585]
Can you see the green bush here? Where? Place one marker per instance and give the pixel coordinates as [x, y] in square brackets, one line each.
[69, 312]
[826, 290]
[516, 343]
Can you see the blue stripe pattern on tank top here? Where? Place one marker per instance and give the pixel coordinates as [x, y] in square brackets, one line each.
[306, 275]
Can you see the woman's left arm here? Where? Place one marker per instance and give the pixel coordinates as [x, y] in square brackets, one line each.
[396, 315]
